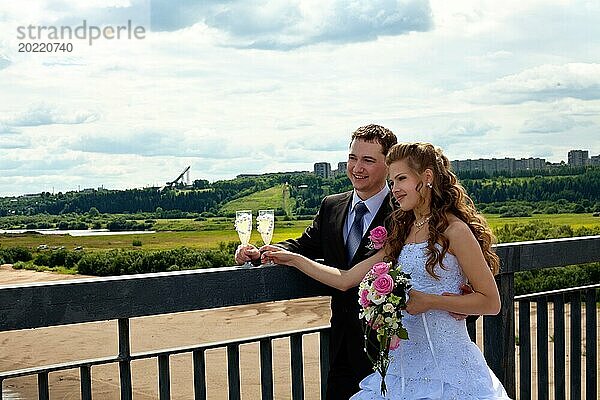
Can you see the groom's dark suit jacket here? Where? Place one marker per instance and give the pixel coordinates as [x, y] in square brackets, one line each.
[324, 239]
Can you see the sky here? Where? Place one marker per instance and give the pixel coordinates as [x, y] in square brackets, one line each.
[239, 86]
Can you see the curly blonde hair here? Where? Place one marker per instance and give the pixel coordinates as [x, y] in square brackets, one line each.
[447, 196]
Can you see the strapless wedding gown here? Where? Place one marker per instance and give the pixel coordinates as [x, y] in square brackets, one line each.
[439, 360]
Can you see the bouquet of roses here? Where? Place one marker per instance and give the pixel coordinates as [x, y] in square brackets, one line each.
[382, 296]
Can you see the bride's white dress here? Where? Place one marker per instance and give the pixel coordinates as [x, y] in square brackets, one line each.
[439, 360]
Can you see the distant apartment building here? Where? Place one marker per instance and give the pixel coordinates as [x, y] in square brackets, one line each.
[578, 158]
[341, 168]
[530, 164]
[498, 164]
[490, 165]
[323, 169]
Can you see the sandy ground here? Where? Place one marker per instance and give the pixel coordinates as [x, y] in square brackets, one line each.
[27, 348]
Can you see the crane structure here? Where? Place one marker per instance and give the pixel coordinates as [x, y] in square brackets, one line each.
[183, 179]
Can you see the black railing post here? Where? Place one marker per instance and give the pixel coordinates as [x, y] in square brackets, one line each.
[125, 359]
[472, 330]
[164, 377]
[233, 371]
[324, 358]
[575, 358]
[524, 350]
[199, 364]
[591, 345]
[85, 375]
[559, 347]
[43, 387]
[499, 335]
[266, 369]
[297, 366]
[541, 308]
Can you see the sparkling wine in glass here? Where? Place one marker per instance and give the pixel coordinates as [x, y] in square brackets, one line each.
[243, 226]
[265, 223]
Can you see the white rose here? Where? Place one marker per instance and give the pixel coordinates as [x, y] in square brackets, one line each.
[375, 298]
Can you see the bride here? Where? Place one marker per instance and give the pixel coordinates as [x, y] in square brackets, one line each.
[440, 240]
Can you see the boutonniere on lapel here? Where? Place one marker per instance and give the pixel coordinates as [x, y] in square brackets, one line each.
[377, 236]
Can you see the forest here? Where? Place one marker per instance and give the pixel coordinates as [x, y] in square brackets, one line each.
[577, 193]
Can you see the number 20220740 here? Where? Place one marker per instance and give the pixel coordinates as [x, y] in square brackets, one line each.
[45, 47]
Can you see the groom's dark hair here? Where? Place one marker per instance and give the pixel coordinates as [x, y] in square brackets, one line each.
[377, 134]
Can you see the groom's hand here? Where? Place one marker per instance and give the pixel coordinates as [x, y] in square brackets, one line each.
[464, 289]
[276, 255]
[246, 253]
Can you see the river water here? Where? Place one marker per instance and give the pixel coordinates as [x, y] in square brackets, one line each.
[73, 232]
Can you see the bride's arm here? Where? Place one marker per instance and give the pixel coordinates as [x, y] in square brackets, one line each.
[485, 299]
[334, 277]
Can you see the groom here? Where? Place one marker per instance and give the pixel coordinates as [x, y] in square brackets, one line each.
[339, 236]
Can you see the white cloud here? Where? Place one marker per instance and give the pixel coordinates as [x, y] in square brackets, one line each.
[44, 114]
[150, 142]
[470, 128]
[5, 129]
[4, 62]
[14, 142]
[543, 83]
[552, 124]
[276, 25]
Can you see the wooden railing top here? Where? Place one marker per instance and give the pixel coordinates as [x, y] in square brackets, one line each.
[97, 299]
[537, 254]
[36, 305]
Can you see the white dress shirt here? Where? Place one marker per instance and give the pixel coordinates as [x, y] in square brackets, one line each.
[373, 204]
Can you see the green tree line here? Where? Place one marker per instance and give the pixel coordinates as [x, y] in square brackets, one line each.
[307, 189]
[207, 199]
[585, 186]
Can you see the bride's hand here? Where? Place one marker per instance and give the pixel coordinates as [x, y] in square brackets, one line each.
[417, 302]
[277, 255]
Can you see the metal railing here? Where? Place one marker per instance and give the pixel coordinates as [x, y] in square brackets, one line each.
[558, 299]
[124, 297]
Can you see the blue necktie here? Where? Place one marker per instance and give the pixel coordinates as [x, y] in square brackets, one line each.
[356, 230]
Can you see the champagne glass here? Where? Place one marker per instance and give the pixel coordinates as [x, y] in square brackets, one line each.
[265, 223]
[243, 226]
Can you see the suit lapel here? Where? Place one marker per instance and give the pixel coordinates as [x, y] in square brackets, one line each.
[339, 213]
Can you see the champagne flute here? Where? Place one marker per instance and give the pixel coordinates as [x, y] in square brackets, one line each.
[265, 223]
[243, 226]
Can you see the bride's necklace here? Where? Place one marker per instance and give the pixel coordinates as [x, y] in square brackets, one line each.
[419, 224]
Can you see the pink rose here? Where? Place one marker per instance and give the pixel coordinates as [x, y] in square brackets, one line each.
[394, 342]
[378, 237]
[383, 284]
[380, 268]
[364, 301]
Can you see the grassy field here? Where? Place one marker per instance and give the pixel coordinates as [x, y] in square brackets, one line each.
[200, 239]
[272, 198]
[574, 220]
[172, 233]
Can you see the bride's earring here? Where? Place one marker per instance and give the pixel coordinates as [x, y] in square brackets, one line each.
[429, 185]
